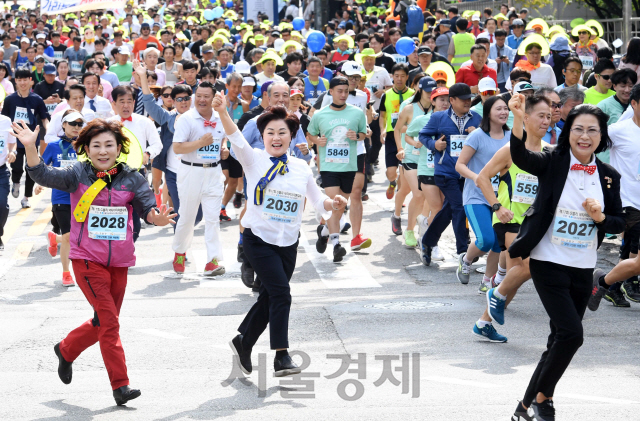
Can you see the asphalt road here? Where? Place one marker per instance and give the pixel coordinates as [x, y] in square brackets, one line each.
[411, 324]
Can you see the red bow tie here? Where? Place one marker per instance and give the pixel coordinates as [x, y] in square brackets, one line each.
[589, 169]
[211, 124]
[112, 171]
[128, 118]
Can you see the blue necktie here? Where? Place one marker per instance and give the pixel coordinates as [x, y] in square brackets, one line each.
[92, 106]
[279, 167]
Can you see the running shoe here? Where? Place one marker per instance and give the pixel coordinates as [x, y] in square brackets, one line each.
[520, 414]
[542, 411]
[1, 245]
[396, 225]
[488, 333]
[345, 228]
[338, 253]
[436, 255]
[422, 225]
[213, 268]
[365, 197]
[321, 243]
[410, 239]
[426, 255]
[178, 262]
[25, 203]
[631, 290]
[464, 270]
[15, 190]
[237, 200]
[484, 287]
[158, 198]
[616, 297]
[597, 292]
[359, 243]
[53, 244]
[67, 279]
[495, 307]
[224, 216]
[391, 189]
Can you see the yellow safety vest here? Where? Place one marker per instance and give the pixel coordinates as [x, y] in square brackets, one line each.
[462, 44]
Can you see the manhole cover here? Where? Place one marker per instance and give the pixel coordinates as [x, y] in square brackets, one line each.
[406, 305]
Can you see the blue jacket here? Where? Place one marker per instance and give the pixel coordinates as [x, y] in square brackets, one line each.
[166, 120]
[444, 123]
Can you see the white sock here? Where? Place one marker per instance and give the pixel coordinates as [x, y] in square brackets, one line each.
[325, 231]
[464, 259]
[502, 272]
[335, 239]
[396, 216]
[343, 221]
[482, 323]
[497, 294]
[486, 279]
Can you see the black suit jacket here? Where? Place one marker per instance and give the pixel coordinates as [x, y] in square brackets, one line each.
[551, 166]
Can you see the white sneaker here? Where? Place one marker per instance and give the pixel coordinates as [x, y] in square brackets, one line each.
[25, 203]
[422, 225]
[436, 255]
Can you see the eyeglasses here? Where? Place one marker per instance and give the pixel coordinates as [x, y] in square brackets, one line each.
[583, 33]
[75, 123]
[183, 99]
[574, 71]
[556, 105]
[355, 77]
[166, 95]
[579, 131]
[605, 77]
[488, 93]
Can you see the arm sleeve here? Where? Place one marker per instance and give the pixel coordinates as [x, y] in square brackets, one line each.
[383, 99]
[157, 113]
[535, 163]
[615, 220]
[243, 150]
[181, 131]
[65, 180]
[143, 200]
[316, 197]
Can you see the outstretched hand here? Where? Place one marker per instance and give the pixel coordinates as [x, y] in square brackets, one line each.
[163, 217]
[516, 105]
[219, 103]
[24, 134]
[139, 68]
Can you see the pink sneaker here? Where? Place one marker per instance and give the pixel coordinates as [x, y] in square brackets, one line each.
[213, 269]
[67, 279]
[53, 244]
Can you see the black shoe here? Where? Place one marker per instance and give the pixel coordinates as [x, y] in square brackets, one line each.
[542, 411]
[321, 243]
[1, 245]
[246, 273]
[520, 414]
[256, 285]
[125, 394]
[426, 255]
[237, 200]
[616, 297]
[631, 290]
[284, 366]
[346, 227]
[597, 292]
[338, 253]
[365, 197]
[223, 216]
[240, 256]
[244, 355]
[64, 367]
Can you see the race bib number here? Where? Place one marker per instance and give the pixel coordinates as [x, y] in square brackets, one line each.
[495, 182]
[394, 119]
[3, 142]
[21, 115]
[210, 152]
[414, 150]
[430, 163]
[58, 55]
[281, 206]
[526, 189]
[312, 101]
[457, 141]
[338, 152]
[76, 67]
[64, 163]
[574, 229]
[399, 58]
[587, 62]
[108, 222]
[51, 107]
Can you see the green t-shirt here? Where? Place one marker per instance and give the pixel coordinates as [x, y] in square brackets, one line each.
[123, 72]
[425, 160]
[390, 104]
[340, 153]
[611, 107]
[591, 96]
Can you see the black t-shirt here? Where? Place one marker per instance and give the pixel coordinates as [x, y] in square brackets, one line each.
[28, 108]
[389, 49]
[45, 90]
[286, 76]
[195, 48]
[386, 61]
[254, 112]
[59, 49]
[304, 123]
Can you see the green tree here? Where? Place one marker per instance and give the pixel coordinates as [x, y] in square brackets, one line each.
[607, 9]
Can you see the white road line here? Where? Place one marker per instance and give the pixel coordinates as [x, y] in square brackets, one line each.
[161, 334]
[602, 399]
[231, 278]
[350, 273]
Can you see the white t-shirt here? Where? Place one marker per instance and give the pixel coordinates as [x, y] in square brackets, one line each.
[5, 137]
[542, 76]
[376, 81]
[145, 131]
[625, 157]
[190, 127]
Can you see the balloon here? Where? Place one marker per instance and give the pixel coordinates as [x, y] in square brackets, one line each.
[217, 12]
[229, 4]
[228, 22]
[316, 41]
[208, 14]
[405, 46]
[298, 24]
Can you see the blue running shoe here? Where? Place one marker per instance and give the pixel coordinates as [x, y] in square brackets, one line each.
[496, 307]
[488, 333]
[426, 255]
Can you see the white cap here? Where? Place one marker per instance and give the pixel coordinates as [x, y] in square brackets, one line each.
[243, 67]
[351, 33]
[41, 35]
[278, 43]
[76, 115]
[487, 84]
[123, 49]
[475, 17]
[25, 39]
[351, 68]
[248, 81]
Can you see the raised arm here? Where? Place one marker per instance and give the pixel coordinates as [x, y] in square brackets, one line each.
[241, 148]
[535, 163]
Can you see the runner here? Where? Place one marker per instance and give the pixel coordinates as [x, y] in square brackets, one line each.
[7, 156]
[100, 257]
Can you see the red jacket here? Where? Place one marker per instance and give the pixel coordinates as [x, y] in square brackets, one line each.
[469, 75]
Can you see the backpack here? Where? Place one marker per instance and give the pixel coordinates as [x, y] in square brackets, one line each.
[415, 20]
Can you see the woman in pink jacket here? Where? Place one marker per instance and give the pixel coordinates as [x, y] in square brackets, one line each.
[631, 60]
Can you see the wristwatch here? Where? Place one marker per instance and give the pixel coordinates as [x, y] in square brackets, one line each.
[496, 206]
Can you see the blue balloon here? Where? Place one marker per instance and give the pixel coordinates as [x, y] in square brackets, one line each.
[208, 14]
[229, 4]
[316, 41]
[298, 24]
[405, 46]
[228, 22]
[217, 12]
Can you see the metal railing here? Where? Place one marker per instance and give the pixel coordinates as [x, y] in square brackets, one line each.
[479, 5]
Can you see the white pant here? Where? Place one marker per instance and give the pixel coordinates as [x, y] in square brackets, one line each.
[197, 185]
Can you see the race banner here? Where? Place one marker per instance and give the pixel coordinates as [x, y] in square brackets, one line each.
[64, 6]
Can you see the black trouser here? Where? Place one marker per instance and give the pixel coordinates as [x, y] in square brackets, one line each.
[274, 266]
[376, 144]
[564, 292]
[5, 188]
[137, 222]
[17, 168]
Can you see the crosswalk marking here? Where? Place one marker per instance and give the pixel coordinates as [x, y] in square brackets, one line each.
[160, 333]
[40, 224]
[231, 277]
[350, 273]
[22, 251]
[14, 223]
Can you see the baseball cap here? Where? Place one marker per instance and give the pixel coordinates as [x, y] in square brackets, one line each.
[243, 67]
[39, 58]
[351, 33]
[475, 17]
[49, 69]
[25, 39]
[145, 25]
[296, 92]
[523, 86]
[424, 50]
[445, 22]
[124, 50]
[248, 81]
[351, 68]
[265, 86]
[428, 84]
[207, 49]
[343, 24]
[41, 35]
[487, 84]
[439, 92]
[460, 90]
[518, 22]
[440, 75]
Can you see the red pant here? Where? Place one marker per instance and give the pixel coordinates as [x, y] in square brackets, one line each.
[104, 289]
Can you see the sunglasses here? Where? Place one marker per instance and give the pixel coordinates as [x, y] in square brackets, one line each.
[605, 77]
[488, 93]
[556, 105]
[166, 95]
[583, 33]
[75, 123]
[183, 99]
